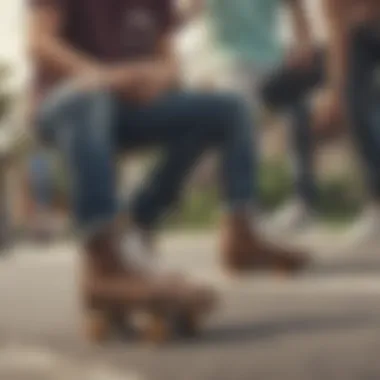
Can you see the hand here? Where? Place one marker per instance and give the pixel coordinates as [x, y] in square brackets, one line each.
[152, 80]
[93, 79]
[300, 57]
[113, 78]
[140, 81]
[329, 115]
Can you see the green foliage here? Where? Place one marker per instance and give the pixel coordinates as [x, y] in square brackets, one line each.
[275, 184]
[340, 198]
[199, 209]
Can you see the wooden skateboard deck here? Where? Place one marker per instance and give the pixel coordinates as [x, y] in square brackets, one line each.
[149, 317]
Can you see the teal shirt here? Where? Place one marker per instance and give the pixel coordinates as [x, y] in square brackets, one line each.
[247, 29]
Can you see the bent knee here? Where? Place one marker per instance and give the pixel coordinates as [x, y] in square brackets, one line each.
[229, 104]
[67, 106]
[222, 108]
[232, 114]
[66, 101]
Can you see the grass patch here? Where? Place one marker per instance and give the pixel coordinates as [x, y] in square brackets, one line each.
[340, 199]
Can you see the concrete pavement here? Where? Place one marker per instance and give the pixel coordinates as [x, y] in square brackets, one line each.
[324, 324]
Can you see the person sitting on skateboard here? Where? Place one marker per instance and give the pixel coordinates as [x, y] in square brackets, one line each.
[108, 81]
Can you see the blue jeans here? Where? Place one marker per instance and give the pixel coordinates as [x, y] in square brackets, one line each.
[363, 102]
[287, 90]
[41, 179]
[301, 140]
[92, 129]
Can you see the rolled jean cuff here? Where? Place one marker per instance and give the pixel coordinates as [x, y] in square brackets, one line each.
[86, 231]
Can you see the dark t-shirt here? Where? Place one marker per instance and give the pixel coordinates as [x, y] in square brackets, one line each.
[109, 30]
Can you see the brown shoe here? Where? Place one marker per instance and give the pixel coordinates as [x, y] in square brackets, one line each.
[112, 288]
[243, 250]
[108, 275]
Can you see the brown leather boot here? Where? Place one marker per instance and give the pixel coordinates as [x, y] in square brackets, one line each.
[243, 250]
[112, 287]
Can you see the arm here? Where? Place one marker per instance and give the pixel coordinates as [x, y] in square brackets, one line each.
[191, 11]
[160, 74]
[45, 45]
[300, 24]
[337, 45]
[330, 114]
[162, 71]
[168, 59]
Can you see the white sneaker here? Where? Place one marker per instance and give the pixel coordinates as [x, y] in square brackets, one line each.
[366, 228]
[293, 216]
[137, 252]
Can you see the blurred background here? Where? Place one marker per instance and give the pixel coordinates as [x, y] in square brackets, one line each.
[204, 66]
[324, 324]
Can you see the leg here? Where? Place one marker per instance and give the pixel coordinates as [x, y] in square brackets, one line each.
[84, 127]
[303, 147]
[188, 124]
[298, 212]
[364, 119]
[287, 90]
[287, 85]
[41, 186]
[81, 125]
[361, 105]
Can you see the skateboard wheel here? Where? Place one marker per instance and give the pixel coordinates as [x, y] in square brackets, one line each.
[97, 327]
[187, 325]
[163, 328]
[119, 325]
[287, 270]
[158, 329]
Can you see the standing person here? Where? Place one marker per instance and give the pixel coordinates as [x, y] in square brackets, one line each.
[352, 61]
[108, 79]
[346, 72]
[248, 32]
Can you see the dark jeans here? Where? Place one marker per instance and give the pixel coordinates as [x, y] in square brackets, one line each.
[287, 90]
[289, 87]
[363, 103]
[41, 179]
[91, 129]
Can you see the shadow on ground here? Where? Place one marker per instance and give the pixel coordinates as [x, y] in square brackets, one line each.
[273, 329]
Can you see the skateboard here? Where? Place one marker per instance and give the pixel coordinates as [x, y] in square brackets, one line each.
[155, 326]
[152, 321]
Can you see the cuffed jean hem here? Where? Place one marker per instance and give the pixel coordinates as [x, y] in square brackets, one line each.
[144, 219]
[87, 231]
